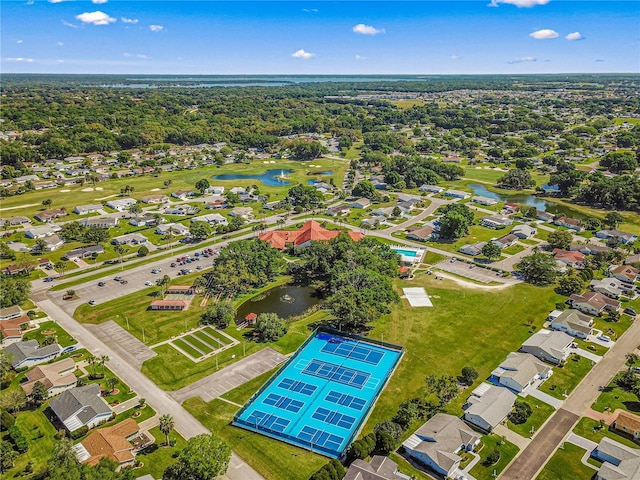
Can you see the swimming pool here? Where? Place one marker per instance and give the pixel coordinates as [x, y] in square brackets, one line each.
[319, 399]
[406, 253]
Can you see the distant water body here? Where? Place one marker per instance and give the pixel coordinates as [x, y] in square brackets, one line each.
[149, 81]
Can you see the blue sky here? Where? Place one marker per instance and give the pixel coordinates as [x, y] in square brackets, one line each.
[319, 37]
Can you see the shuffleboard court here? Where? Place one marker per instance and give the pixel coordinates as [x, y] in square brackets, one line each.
[319, 399]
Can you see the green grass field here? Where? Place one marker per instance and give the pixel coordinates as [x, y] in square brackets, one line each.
[489, 443]
[193, 340]
[186, 347]
[614, 397]
[589, 428]
[158, 456]
[541, 411]
[62, 337]
[212, 332]
[566, 464]
[565, 379]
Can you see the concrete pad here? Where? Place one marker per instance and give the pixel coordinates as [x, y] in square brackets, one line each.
[122, 342]
[417, 297]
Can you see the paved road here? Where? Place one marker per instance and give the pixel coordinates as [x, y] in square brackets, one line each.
[533, 458]
[185, 423]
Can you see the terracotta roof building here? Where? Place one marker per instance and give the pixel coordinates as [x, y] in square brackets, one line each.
[628, 423]
[311, 231]
[56, 377]
[111, 442]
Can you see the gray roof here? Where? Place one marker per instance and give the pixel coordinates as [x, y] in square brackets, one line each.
[22, 351]
[553, 343]
[521, 367]
[380, 468]
[574, 320]
[628, 467]
[85, 400]
[440, 437]
[492, 405]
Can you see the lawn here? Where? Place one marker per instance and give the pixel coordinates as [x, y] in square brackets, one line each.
[566, 378]
[589, 428]
[541, 411]
[613, 397]
[63, 338]
[273, 459]
[193, 340]
[613, 329]
[489, 443]
[566, 464]
[243, 393]
[124, 392]
[157, 457]
[180, 343]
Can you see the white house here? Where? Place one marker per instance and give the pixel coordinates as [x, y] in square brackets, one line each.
[100, 222]
[486, 201]
[121, 204]
[56, 377]
[130, 239]
[552, 347]
[524, 231]
[593, 303]
[242, 212]
[520, 370]
[85, 209]
[611, 287]
[42, 231]
[619, 461]
[30, 353]
[431, 188]
[457, 194]
[573, 323]
[472, 249]
[215, 190]
[211, 219]
[81, 406]
[488, 405]
[176, 229]
[496, 221]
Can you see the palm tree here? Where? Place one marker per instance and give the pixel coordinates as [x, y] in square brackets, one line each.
[103, 360]
[60, 267]
[166, 426]
[91, 360]
[111, 383]
[120, 250]
[41, 245]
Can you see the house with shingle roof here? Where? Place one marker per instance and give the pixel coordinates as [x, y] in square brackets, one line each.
[569, 223]
[56, 377]
[573, 323]
[436, 443]
[488, 405]
[12, 329]
[619, 461]
[379, 468]
[570, 258]
[113, 442]
[623, 237]
[625, 273]
[628, 423]
[593, 303]
[550, 346]
[81, 406]
[520, 370]
[496, 221]
[30, 353]
[505, 241]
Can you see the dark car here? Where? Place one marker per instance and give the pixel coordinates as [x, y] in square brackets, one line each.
[123, 282]
[49, 279]
[101, 284]
[630, 311]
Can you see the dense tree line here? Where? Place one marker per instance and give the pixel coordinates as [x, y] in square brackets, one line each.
[411, 171]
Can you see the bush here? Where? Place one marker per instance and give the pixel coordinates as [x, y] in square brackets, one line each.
[6, 420]
[18, 439]
[361, 449]
[521, 413]
[385, 443]
[330, 471]
[143, 251]
[469, 374]
[492, 458]
[392, 428]
[31, 314]
[80, 432]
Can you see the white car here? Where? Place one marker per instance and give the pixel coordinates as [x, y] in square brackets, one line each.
[148, 283]
[604, 338]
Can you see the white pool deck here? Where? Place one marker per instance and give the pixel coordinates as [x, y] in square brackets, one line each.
[417, 297]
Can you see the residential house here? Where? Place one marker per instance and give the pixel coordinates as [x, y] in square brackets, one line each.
[338, 210]
[589, 248]
[50, 215]
[628, 423]
[505, 241]
[510, 208]
[29, 353]
[570, 258]
[573, 323]
[360, 203]
[242, 212]
[622, 237]
[121, 204]
[611, 287]
[215, 190]
[632, 259]
[56, 377]
[421, 234]
[100, 222]
[217, 204]
[437, 443]
[380, 468]
[130, 239]
[488, 406]
[550, 346]
[486, 201]
[311, 231]
[169, 305]
[405, 207]
[544, 216]
[183, 194]
[496, 221]
[12, 329]
[53, 242]
[42, 231]
[457, 194]
[211, 219]
[85, 209]
[145, 220]
[473, 249]
[239, 190]
[45, 263]
[181, 210]
[625, 273]
[524, 231]
[84, 252]
[619, 461]
[370, 222]
[431, 188]
[26, 178]
[173, 228]
[593, 303]
[14, 221]
[520, 370]
[570, 223]
[155, 199]
[81, 406]
[117, 443]
[10, 312]
[13, 270]
[382, 212]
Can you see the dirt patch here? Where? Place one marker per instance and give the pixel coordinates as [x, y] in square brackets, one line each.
[48, 332]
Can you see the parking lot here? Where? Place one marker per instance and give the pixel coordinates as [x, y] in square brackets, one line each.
[473, 272]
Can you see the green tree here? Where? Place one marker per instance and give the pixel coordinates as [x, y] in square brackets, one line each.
[166, 426]
[143, 251]
[613, 220]
[14, 291]
[220, 314]
[269, 327]
[469, 375]
[521, 412]
[163, 282]
[396, 211]
[111, 383]
[200, 230]
[202, 185]
[39, 393]
[444, 387]
[47, 203]
[13, 400]
[305, 196]
[204, 458]
[120, 250]
[60, 266]
[570, 284]
[491, 250]
[135, 209]
[619, 161]
[516, 179]
[6, 253]
[453, 225]
[538, 269]
[63, 463]
[7, 456]
[167, 183]
[560, 239]
[365, 189]
[103, 359]
[41, 245]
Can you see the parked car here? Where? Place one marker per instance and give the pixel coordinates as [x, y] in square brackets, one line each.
[92, 302]
[199, 267]
[630, 311]
[49, 279]
[148, 283]
[118, 278]
[155, 270]
[101, 284]
[123, 282]
[173, 265]
[604, 338]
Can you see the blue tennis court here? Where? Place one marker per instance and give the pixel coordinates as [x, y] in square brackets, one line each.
[320, 397]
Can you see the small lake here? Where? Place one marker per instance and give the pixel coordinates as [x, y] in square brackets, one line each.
[531, 200]
[285, 300]
[271, 178]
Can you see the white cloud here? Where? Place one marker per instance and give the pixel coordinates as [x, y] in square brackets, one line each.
[310, 10]
[126, 54]
[363, 29]
[57, 1]
[360, 57]
[67, 24]
[522, 60]
[455, 57]
[544, 34]
[98, 2]
[303, 54]
[519, 3]
[18, 59]
[156, 28]
[59, 44]
[95, 18]
[129, 20]
[19, 41]
[140, 55]
[574, 36]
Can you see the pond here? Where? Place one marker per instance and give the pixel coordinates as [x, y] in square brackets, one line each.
[271, 178]
[531, 200]
[285, 300]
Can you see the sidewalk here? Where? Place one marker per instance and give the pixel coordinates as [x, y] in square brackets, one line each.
[124, 406]
[515, 438]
